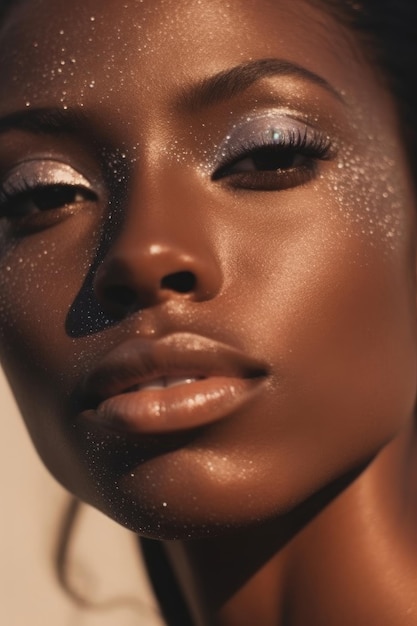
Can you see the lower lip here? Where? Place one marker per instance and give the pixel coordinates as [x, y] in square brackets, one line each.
[175, 408]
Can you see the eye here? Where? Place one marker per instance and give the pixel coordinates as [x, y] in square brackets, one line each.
[38, 193]
[265, 157]
[47, 198]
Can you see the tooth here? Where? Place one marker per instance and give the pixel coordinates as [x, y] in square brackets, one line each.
[180, 380]
[158, 383]
[166, 381]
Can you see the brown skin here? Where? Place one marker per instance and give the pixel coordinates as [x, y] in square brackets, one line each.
[299, 507]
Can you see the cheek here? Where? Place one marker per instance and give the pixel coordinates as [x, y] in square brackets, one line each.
[332, 302]
[331, 268]
[42, 276]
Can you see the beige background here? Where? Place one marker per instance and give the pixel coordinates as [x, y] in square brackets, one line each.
[103, 556]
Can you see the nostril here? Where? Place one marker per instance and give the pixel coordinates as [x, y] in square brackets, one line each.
[181, 282]
[120, 295]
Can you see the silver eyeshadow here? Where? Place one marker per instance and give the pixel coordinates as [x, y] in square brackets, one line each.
[37, 173]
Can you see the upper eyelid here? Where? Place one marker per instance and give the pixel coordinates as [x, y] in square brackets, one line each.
[42, 172]
[252, 131]
[268, 120]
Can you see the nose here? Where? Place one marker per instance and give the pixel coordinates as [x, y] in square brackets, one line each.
[160, 253]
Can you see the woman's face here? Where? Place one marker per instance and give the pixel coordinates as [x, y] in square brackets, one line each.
[207, 254]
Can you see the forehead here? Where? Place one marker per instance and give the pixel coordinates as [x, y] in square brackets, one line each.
[89, 50]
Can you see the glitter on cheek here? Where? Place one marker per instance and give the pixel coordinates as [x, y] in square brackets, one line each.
[365, 186]
[23, 275]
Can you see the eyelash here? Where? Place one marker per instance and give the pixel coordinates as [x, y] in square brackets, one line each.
[308, 146]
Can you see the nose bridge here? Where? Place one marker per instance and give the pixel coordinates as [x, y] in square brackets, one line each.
[164, 216]
[164, 223]
[163, 248]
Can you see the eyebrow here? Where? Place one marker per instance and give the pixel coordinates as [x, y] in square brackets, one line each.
[44, 121]
[232, 82]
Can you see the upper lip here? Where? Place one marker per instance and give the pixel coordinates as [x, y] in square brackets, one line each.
[138, 361]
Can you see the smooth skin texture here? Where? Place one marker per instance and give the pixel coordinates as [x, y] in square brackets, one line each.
[267, 209]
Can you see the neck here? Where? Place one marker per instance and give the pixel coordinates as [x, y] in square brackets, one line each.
[240, 579]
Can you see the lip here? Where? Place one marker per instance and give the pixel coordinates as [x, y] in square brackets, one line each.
[221, 379]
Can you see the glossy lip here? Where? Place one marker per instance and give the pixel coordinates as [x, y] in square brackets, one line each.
[225, 380]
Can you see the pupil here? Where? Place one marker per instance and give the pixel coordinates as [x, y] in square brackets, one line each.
[273, 160]
[53, 197]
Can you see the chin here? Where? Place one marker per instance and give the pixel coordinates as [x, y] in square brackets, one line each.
[194, 494]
